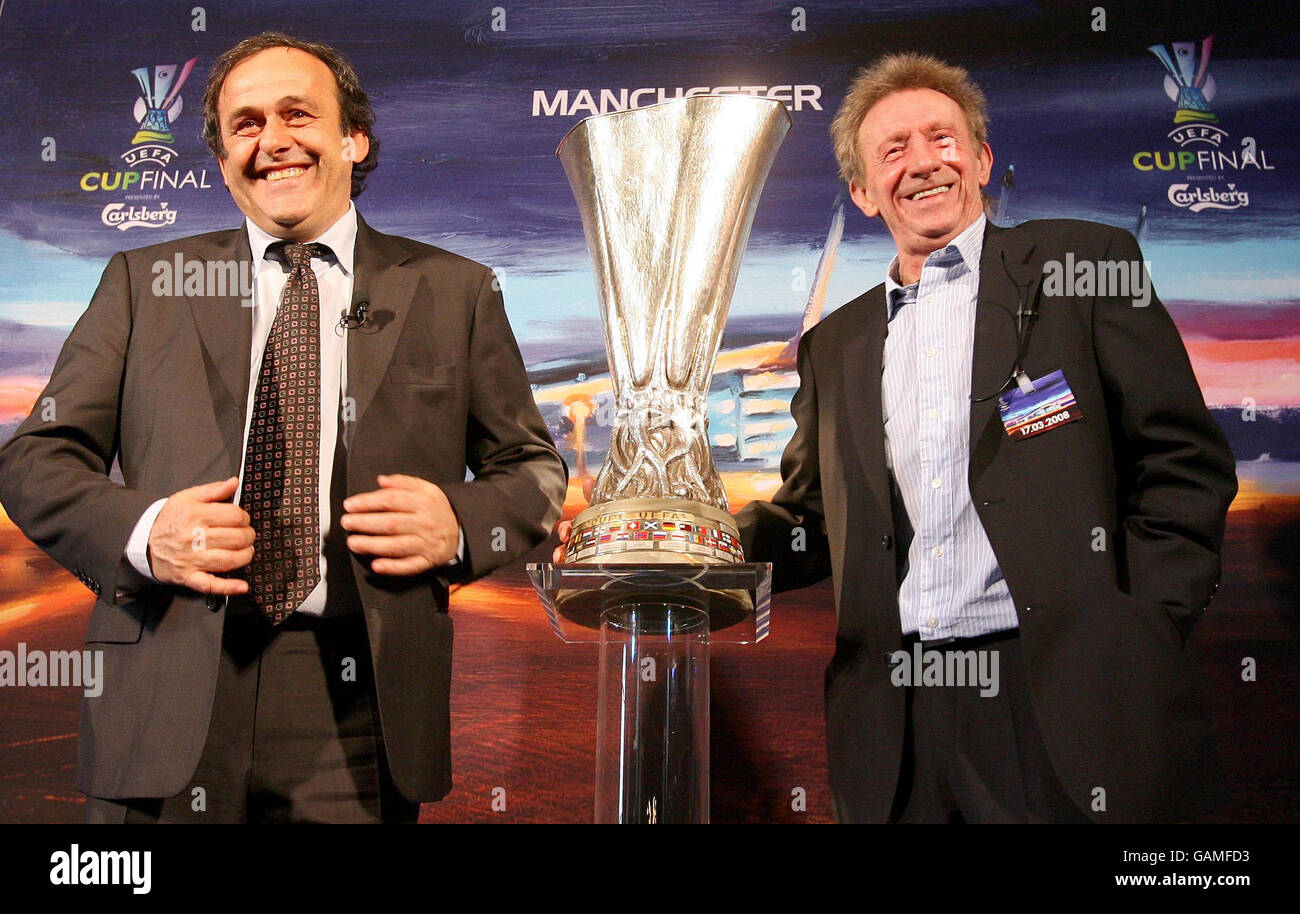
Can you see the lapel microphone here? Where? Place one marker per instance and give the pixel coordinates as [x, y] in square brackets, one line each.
[356, 316]
[1026, 314]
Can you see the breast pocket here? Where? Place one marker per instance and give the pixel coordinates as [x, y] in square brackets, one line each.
[423, 375]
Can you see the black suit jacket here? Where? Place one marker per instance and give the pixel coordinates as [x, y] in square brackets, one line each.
[161, 384]
[1102, 629]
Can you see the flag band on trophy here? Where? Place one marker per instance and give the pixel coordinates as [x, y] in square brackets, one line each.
[660, 530]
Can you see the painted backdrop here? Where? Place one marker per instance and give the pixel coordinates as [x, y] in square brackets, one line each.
[103, 153]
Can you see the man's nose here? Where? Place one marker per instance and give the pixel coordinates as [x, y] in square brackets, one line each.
[922, 160]
[275, 136]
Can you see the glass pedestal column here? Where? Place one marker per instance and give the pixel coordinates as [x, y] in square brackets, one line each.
[654, 625]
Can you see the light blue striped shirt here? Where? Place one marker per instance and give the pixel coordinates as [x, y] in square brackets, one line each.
[953, 587]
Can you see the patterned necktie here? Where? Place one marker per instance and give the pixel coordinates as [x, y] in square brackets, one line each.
[282, 463]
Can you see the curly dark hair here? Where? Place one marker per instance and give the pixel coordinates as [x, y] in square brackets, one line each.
[354, 104]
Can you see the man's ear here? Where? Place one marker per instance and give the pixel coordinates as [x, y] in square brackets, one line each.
[223, 162]
[863, 202]
[356, 146]
[986, 163]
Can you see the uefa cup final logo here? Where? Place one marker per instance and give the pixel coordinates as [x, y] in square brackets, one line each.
[1187, 80]
[158, 106]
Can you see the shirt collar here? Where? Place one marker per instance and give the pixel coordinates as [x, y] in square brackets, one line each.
[969, 245]
[341, 238]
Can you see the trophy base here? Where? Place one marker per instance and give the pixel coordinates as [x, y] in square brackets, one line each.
[653, 530]
[736, 598]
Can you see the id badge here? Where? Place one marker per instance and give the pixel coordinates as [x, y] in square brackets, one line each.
[1051, 403]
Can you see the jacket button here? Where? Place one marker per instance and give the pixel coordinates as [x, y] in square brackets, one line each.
[886, 542]
[214, 603]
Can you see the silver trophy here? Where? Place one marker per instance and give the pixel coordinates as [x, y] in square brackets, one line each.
[667, 196]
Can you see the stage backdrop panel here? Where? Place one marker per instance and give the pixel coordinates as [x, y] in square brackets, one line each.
[1090, 119]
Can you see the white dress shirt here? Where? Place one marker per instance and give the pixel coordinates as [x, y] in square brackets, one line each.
[334, 277]
[953, 587]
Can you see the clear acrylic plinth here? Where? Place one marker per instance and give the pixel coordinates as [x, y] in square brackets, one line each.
[652, 724]
[737, 598]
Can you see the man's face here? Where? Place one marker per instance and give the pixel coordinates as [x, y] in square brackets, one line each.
[288, 164]
[921, 171]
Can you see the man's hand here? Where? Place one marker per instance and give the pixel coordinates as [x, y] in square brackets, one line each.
[564, 529]
[199, 534]
[407, 522]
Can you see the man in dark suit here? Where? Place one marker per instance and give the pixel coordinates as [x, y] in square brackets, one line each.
[272, 574]
[1076, 553]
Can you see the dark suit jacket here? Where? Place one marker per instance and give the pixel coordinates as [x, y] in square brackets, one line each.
[1102, 630]
[161, 384]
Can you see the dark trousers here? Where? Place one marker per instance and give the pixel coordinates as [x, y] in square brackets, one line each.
[294, 734]
[974, 758]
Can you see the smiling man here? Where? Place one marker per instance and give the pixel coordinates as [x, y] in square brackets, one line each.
[272, 572]
[922, 169]
[284, 144]
[985, 467]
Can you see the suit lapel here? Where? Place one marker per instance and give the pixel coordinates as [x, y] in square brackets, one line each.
[863, 361]
[225, 327]
[389, 287]
[1009, 273]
